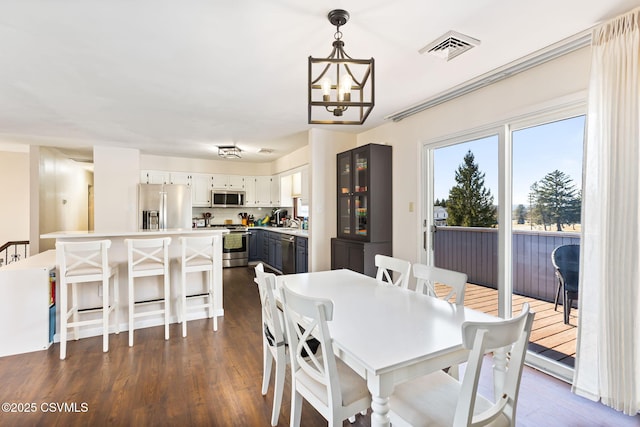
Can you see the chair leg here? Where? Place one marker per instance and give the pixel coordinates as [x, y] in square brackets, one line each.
[116, 299]
[183, 304]
[131, 309]
[212, 300]
[567, 308]
[267, 359]
[63, 319]
[166, 304]
[74, 307]
[555, 307]
[105, 315]
[278, 389]
[296, 408]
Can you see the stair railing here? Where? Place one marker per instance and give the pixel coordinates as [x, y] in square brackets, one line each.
[9, 251]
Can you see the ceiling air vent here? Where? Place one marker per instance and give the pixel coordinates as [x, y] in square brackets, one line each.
[450, 45]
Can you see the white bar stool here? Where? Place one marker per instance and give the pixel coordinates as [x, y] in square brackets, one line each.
[85, 262]
[198, 255]
[148, 257]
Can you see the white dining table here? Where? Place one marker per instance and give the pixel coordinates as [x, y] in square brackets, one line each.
[387, 334]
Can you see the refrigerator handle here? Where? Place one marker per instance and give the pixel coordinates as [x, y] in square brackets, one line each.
[163, 210]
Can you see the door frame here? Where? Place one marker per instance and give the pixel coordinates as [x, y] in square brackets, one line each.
[560, 109]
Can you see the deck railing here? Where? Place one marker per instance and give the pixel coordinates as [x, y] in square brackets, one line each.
[474, 251]
[13, 251]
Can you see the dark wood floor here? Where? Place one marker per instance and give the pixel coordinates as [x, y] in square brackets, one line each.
[207, 379]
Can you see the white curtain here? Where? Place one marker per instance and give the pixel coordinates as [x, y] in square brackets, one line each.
[608, 356]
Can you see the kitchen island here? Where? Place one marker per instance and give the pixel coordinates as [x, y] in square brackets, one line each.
[27, 305]
[147, 288]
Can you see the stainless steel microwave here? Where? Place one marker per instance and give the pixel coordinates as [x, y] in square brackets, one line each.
[227, 199]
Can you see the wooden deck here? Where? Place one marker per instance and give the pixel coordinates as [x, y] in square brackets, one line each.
[550, 337]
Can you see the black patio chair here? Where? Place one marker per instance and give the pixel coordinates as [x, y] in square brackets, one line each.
[566, 261]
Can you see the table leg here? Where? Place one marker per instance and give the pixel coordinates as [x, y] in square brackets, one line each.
[380, 389]
[380, 414]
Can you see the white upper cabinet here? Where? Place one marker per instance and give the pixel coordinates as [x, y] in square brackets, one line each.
[250, 191]
[228, 182]
[263, 191]
[219, 181]
[260, 191]
[275, 192]
[286, 187]
[154, 177]
[201, 190]
[236, 182]
[183, 178]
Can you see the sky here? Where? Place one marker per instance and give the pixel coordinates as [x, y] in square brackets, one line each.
[537, 151]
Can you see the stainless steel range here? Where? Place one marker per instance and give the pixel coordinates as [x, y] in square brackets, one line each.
[235, 245]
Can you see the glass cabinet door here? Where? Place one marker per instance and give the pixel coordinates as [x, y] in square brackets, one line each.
[361, 216]
[344, 175]
[353, 194]
[344, 216]
[360, 172]
[360, 189]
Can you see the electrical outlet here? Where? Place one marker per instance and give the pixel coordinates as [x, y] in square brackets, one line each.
[410, 206]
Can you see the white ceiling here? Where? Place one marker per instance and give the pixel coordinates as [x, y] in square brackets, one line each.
[180, 77]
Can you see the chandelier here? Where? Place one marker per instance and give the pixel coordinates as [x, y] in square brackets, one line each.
[341, 89]
[229, 152]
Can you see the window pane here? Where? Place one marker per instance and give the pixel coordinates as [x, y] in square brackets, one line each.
[547, 188]
[465, 216]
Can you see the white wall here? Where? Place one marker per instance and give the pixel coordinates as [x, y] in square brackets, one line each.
[509, 98]
[62, 188]
[116, 178]
[287, 162]
[14, 193]
[183, 164]
[323, 146]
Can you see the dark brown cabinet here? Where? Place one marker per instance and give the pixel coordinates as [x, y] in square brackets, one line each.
[364, 208]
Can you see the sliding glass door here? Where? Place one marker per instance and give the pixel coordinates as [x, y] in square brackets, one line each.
[496, 204]
[546, 188]
[463, 233]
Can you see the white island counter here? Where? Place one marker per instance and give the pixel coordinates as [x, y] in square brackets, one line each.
[148, 287]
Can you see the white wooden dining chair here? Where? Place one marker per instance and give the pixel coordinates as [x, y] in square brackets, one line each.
[274, 348]
[438, 399]
[327, 383]
[388, 265]
[146, 258]
[198, 255]
[427, 276]
[81, 263]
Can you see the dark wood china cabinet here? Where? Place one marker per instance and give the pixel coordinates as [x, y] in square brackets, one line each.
[364, 208]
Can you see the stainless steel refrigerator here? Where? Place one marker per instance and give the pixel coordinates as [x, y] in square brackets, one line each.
[164, 206]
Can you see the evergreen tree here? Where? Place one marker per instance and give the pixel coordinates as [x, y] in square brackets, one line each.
[557, 199]
[470, 204]
[520, 213]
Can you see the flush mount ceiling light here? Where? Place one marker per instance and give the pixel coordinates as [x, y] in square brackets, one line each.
[229, 152]
[341, 89]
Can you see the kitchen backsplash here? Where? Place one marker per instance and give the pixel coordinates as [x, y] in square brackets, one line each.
[220, 215]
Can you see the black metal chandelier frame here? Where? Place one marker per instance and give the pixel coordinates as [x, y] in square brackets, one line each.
[335, 99]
